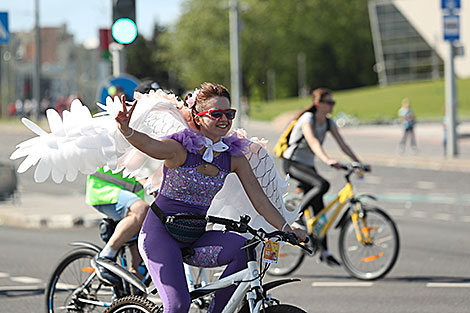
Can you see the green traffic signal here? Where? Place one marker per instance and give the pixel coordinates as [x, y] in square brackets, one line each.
[124, 31]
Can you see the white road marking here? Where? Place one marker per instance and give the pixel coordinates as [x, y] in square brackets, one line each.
[443, 216]
[425, 185]
[25, 280]
[418, 214]
[342, 284]
[3, 275]
[465, 219]
[19, 288]
[448, 285]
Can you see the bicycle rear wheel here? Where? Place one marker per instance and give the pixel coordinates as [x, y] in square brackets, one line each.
[370, 261]
[282, 308]
[74, 287]
[132, 304]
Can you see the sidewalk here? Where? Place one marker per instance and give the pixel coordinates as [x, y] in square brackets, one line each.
[374, 144]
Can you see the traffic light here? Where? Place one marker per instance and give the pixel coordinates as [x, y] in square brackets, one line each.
[124, 29]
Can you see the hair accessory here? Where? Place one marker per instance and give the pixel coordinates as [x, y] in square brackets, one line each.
[192, 100]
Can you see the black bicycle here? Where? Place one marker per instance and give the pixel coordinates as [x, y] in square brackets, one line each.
[75, 287]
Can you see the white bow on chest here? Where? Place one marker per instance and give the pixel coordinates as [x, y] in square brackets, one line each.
[219, 146]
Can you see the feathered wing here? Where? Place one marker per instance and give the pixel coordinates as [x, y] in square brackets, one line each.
[79, 142]
[158, 117]
[232, 202]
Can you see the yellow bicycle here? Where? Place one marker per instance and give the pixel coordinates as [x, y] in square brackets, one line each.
[368, 241]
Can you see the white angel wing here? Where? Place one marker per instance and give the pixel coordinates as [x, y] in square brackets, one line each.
[157, 116]
[77, 142]
[232, 202]
[81, 143]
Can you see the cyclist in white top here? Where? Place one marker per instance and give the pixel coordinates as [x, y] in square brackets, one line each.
[305, 143]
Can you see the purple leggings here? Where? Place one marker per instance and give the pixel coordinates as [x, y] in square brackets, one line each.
[162, 255]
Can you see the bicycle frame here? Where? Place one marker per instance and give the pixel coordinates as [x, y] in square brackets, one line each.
[246, 278]
[344, 195]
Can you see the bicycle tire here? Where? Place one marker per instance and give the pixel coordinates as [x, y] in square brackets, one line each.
[375, 260]
[73, 270]
[290, 258]
[134, 304]
[278, 308]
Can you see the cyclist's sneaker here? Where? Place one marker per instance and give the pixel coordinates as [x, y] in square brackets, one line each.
[104, 274]
[329, 260]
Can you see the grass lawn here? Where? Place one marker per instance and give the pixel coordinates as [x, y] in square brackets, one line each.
[379, 104]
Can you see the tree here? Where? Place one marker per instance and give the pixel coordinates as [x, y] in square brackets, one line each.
[143, 60]
[333, 34]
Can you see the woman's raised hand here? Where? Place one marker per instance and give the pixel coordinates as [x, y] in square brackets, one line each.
[124, 117]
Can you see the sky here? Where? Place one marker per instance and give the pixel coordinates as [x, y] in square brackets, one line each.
[85, 17]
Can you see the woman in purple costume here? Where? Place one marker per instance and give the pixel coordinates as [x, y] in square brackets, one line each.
[195, 167]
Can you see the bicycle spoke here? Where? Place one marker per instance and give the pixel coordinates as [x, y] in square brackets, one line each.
[375, 257]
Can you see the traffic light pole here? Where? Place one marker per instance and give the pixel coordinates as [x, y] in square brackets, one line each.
[118, 56]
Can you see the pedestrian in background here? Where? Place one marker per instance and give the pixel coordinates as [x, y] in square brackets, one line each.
[408, 121]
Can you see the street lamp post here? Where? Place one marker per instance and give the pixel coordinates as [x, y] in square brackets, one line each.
[37, 62]
[235, 68]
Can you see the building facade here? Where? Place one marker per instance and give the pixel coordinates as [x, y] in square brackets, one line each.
[408, 40]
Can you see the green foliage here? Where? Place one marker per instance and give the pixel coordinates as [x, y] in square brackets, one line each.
[199, 44]
[333, 34]
[378, 104]
[142, 62]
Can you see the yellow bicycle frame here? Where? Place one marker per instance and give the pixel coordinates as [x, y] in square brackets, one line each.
[344, 195]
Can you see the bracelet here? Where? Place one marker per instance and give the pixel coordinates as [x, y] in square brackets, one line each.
[286, 224]
[129, 136]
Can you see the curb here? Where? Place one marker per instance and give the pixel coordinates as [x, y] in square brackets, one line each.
[47, 211]
[56, 221]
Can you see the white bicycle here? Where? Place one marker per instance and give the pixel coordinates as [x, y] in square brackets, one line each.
[250, 295]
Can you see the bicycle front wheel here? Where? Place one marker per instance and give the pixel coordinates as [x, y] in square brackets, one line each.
[282, 308]
[370, 260]
[278, 308]
[132, 304]
[74, 287]
[290, 257]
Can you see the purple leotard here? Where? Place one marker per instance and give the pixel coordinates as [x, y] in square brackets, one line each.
[185, 189]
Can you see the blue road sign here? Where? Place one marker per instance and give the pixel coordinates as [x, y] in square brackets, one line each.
[451, 27]
[450, 4]
[127, 83]
[4, 31]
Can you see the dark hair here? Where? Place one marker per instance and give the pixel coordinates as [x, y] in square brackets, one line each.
[206, 92]
[317, 96]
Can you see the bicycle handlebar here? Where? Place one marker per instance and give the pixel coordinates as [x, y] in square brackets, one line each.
[243, 227]
[353, 166]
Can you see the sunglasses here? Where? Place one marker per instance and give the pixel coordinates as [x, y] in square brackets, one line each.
[330, 102]
[216, 114]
